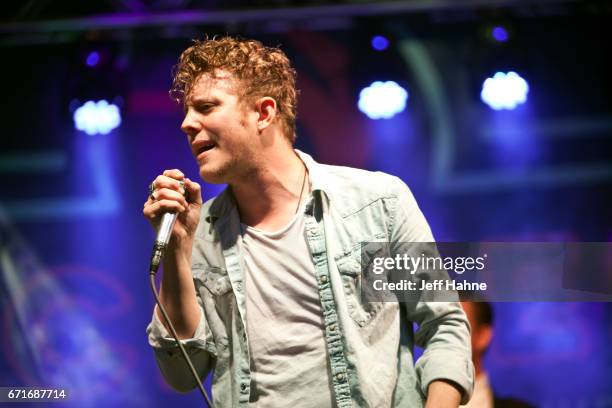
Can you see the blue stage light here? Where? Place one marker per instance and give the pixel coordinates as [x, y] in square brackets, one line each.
[504, 91]
[382, 100]
[97, 117]
[499, 34]
[93, 58]
[380, 43]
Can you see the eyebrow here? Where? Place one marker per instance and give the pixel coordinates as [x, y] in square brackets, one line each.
[198, 101]
[212, 99]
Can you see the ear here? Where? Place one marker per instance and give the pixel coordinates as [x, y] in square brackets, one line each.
[266, 110]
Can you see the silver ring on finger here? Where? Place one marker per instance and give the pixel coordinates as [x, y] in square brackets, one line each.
[182, 184]
[152, 191]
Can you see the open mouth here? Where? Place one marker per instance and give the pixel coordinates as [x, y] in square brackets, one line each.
[205, 148]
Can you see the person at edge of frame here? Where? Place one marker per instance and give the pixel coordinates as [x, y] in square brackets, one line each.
[480, 315]
[261, 281]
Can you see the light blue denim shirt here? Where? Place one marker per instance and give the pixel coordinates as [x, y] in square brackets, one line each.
[370, 345]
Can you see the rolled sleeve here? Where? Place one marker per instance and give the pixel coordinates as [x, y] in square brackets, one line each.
[447, 354]
[160, 338]
[200, 348]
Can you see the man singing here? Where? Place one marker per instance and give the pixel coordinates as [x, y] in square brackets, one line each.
[262, 282]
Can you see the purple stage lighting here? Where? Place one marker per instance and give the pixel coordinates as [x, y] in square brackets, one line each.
[382, 100]
[97, 117]
[93, 58]
[380, 43]
[505, 91]
[500, 34]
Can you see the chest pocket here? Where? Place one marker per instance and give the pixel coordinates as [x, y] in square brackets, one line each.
[354, 265]
[213, 278]
[213, 285]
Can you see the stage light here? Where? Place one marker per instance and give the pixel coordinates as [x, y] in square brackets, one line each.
[93, 58]
[500, 34]
[382, 100]
[380, 43]
[97, 117]
[504, 91]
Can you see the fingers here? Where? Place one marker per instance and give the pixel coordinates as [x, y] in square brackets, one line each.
[170, 180]
[157, 208]
[174, 173]
[169, 194]
[172, 192]
[194, 191]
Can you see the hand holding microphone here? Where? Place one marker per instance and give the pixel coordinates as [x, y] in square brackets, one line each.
[173, 209]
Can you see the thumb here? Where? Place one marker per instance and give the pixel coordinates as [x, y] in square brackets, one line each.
[194, 192]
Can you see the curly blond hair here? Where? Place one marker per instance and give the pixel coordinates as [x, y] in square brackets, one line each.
[262, 71]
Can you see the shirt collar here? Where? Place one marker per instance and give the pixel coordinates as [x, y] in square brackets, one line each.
[318, 179]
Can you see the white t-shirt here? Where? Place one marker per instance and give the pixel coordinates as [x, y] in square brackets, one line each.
[285, 328]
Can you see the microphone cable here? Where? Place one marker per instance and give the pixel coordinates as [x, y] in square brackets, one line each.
[158, 251]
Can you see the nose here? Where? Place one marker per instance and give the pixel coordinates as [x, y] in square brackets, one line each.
[190, 126]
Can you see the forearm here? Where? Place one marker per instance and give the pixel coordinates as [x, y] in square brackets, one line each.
[443, 394]
[177, 293]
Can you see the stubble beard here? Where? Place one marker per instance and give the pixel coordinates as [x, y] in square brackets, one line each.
[218, 173]
[232, 169]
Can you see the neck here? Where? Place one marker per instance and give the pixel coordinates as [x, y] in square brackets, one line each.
[269, 196]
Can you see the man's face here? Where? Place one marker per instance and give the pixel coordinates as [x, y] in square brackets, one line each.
[222, 131]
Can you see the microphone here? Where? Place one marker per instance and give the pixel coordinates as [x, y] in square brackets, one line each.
[163, 237]
[161, 242]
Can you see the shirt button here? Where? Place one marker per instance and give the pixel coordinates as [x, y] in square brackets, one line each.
[323, 278]
[332, 327]
[242, 387]
[340, 377]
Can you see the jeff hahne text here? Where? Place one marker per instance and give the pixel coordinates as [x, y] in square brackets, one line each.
[422, 264]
